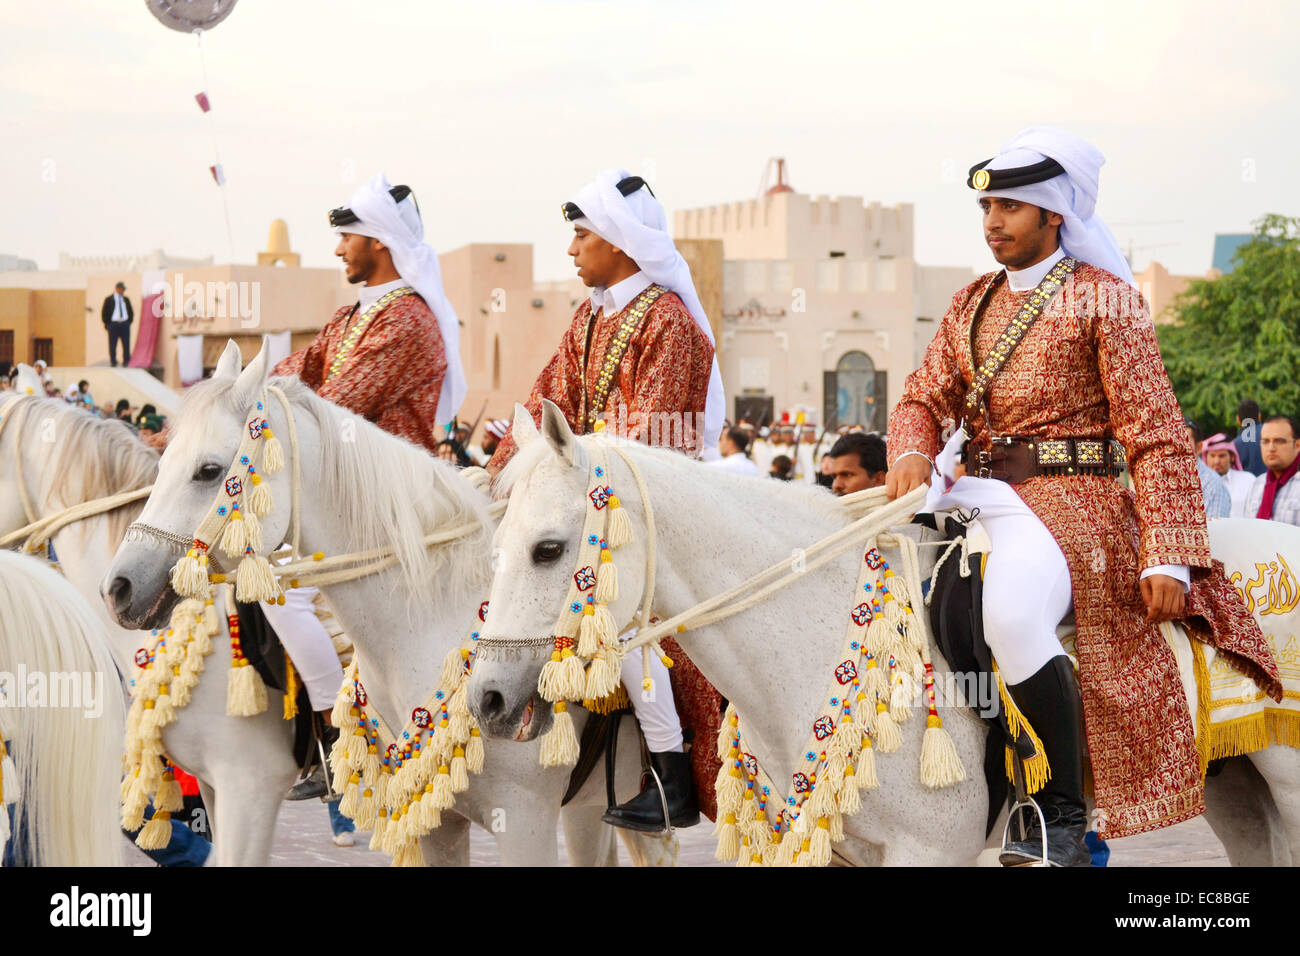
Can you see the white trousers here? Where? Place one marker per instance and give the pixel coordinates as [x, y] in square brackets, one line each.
[309, 645]
[1027, 588]
[655, 710]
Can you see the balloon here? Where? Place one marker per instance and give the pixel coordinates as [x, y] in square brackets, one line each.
[190, 16]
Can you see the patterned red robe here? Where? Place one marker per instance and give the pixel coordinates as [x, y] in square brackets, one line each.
[393, 375]
[1090, 367]
[664, 370]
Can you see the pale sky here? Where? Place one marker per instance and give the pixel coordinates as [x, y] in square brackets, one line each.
[496, 112]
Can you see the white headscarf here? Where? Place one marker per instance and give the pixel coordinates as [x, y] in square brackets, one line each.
[638, 226]
[399, 227]
[1074, 194]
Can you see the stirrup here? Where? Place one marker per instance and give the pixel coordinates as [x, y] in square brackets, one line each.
[1016, 815]
[668, 829]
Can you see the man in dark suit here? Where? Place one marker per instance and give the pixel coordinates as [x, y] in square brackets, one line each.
[117, 315]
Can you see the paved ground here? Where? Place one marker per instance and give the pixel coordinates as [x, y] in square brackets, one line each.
[303, 839]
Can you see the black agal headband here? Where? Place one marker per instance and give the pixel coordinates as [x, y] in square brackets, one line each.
[982, 179]
[343, 216]
[626, 186]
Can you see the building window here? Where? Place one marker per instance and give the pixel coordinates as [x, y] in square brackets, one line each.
[756, 276]
[43, 351]
[782, 277]
[858, 275]
[828, 276]
[7, 346]
[886, 275]
[855, 380]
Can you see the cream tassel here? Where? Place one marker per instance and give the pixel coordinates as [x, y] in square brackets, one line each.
[940, 764]
[562, 677]
[727, 733]
[606, 629]
[453, 667]
[245, 692]
[366, 810]
[190, 575]
[880, 636]
[588, 638]
[866, 773]
[560, 745]
[273, 459]
[255, 580]
[459, 771]
[474, 750]
[443, 797]
[875, 684]
[819, 844]
[902, 697]
[253, 530]
[606, 579]
[234, 540]
[728, 840]
[210, 622]
[849, 800]
[351, 795]
[620, 525]
[888, 736]
[169, 795]
[409, 854]
[381, 824]
[602, 675]
[157, 833]
[259, 497]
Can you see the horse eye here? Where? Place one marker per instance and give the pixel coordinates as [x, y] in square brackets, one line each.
[544, 552]
[209, 472]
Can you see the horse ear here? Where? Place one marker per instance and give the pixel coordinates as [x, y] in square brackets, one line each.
[556, 431]
[252, 380]
[523, 428]
[231, 362]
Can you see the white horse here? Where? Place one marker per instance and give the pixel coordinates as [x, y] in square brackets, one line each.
[61, 456]
[772, 660]
[363, 488]
[62, 720]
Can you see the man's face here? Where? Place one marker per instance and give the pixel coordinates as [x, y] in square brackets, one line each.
[1191, 440]
[850, 476]
[120, 288]
[358, 255]
[726, 446]
[596, 260]
[1220, 461]
[1278, 446]
[1015, 233]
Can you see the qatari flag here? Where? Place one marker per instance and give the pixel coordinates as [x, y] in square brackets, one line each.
[202, 100]
[218, 174]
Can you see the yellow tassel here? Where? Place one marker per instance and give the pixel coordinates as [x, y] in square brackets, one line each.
[459, 771]
[620, 525]
[290, 690]
[190, 575]
[560, 745]
[865, 775]
[274, 457]
[258, 497]
[157, 833]
[848, 800]
[245, 692]
[888, 736]
[819, 845]
[1037, 770]
[443, 798]
[409, 854]
[474, 751]
[606, 579]
[169, 795]
[940, 764]
[728, 840]
[256, 580]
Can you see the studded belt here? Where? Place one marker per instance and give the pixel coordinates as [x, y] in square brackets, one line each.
[1014, 459]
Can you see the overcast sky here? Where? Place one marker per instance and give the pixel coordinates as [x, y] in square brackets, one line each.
[496, 112]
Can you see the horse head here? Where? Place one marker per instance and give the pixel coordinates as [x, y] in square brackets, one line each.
[193, 481]
[537, 549]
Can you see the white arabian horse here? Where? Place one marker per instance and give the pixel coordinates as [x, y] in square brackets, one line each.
[60, 456]
[62, 720]
[773, 660]
[361, 489]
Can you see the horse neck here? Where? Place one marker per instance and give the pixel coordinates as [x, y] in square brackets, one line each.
[400, 643]
[782, 650]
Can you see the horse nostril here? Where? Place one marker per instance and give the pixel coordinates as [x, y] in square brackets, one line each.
[119, 592]
[493, 704]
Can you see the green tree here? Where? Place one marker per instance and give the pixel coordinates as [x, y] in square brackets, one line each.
[1238, 336]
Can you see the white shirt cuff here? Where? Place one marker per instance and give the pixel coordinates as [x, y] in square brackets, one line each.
[1179, 572]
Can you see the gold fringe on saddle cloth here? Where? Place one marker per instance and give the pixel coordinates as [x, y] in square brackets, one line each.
[1245, 734]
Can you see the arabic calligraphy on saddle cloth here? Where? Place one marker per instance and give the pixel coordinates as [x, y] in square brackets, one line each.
[884, 658]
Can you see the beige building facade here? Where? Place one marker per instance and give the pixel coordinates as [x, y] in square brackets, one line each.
[825, 310]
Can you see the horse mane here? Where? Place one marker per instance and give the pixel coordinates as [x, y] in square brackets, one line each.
[817, 500]
[93, 458]
[67, 761]
[388, 492]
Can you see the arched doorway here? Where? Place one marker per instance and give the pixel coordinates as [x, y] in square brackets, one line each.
[855, 380]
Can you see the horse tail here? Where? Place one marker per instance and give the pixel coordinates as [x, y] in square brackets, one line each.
[63, 721]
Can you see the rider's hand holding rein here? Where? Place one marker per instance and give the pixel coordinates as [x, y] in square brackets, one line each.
[910, 471]
[1163, 596]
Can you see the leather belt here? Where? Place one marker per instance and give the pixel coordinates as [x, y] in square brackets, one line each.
[1013, 459]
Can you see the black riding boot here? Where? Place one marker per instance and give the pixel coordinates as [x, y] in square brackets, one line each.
[1050, 701]
[645, 811]
[314, 785]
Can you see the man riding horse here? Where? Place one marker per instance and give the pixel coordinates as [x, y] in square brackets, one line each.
[1053, 365]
